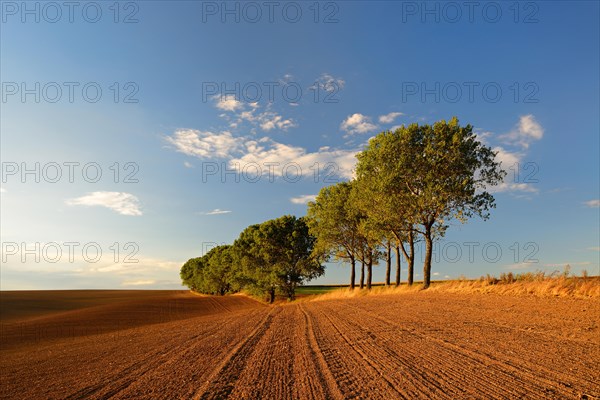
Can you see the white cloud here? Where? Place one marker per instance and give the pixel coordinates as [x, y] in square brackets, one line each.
[304, 199]
[513, 187]
[436, 274]
[507, 158]
[511, 162]
[330, 84]
[216, 211]
[526, 131]
[139, 282]
[572, 264]
[188, 164]
[358, 123]
[529, 265]
[228, 103]
[203, 144]
[596, 248]
[135, 265]
[132, 268]
[294, 160]
[389, 118]
[522, 265]
[271, 120]
[593, 203]
[120, 202]
[2, 190]
[324, 164]
[266, 120]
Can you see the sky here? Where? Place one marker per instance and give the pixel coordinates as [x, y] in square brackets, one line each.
[136, 135]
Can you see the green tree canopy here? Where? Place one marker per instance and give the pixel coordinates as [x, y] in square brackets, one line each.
[334, 223]
[287, 246]
[436, 173]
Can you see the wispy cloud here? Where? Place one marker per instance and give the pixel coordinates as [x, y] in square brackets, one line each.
[304, 199]
[297, 160]
[265, 118]
[512, 155]
[216, 211]
[389, 118]
[525, 132]
[358, 123]
[120, 202]
[595, 248]
[270, 120]
[243, 151]
[139, 282]
[513, 187]
[572, 264]
[522, 265]
[530, 265]
[330, 84]
[203, 144]
[228, 103]
[593, 203]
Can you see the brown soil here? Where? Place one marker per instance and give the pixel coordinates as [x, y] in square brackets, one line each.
[161, 344]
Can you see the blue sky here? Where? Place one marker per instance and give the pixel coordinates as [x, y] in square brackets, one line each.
[186, 98]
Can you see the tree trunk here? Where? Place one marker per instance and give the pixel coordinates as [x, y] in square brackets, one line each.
[388, 265]
[353, 273]
[271, 295]
[411, 258]
[369, 272]
[398, 265]
[362, 274]
[427, 263]
[291, 292]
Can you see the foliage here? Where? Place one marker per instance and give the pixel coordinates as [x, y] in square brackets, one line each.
[277, 255]
[334, 223]
[210, 273]
[429, 174]
[409, 184]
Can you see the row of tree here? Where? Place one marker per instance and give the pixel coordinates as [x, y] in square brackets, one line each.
[273, 257]
[409, 184]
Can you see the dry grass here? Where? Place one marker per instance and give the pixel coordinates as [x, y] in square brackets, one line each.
[527, 284]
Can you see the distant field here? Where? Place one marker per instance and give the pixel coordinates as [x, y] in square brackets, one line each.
[176, 344]
[321, 289]
[316, 289]
[23, 304]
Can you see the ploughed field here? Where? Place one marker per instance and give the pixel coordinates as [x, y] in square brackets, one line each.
[175, 344]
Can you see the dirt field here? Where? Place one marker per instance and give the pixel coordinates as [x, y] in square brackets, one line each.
[168, 344]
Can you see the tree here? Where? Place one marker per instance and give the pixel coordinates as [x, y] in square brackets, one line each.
[381, 197]
[277, 255]
[191, 272]
[211, 273]
[335, 225]
[445, 171]
[429, 175]
[255, 273]
[286, 244]
[370, 234]
[217, 277]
